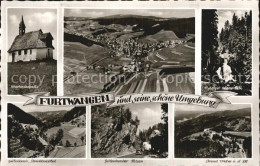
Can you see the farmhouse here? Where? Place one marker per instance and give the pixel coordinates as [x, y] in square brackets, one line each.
[34, 45]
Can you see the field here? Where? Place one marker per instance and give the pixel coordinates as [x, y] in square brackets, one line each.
[126, 36]
[75, 50]
[153, 83]
[240, 134]
[68, 152]
[68, 136]
[178, 54]
[35, 71]
[160, 36]
[77, 57]
[84, 85]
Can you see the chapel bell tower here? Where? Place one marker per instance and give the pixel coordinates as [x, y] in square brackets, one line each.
[22, 27]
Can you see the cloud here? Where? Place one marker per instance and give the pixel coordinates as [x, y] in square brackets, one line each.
[75, 11]
[150, 12]
[165, 13]
[46, 17]
[148, 115]
[30, 23]
[13, 19]
[148, 112]
[94, 14]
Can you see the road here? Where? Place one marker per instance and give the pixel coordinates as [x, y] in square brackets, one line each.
[242, 152]
[189, 46]
[133, 155]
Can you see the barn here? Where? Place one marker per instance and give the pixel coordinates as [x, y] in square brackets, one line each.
[34, 45]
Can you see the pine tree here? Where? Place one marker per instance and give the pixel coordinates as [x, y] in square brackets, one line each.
[209, 42]
[221, 35]
[164, 117]
[234, 20]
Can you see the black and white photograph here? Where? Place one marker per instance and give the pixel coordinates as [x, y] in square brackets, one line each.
[227, 51]
[129, 51]
[158, 83]
[132, 131]
[46, 132]
[32, 55]
[203, 132]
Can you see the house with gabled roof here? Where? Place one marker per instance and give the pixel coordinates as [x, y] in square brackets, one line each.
[34, 45]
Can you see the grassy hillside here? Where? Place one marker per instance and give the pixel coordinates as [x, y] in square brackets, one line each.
[45, 70]
[162, 36]
[76, 51]
[67, 136]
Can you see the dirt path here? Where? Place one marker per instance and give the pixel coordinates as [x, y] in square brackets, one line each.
[189, 47]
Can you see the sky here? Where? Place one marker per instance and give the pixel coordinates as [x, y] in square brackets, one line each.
[221, 107]
[34, 19]
[149, 114]
[34, 108]
[224, 15]
[163, 13]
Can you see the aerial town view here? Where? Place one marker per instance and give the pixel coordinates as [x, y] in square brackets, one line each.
[129, 51]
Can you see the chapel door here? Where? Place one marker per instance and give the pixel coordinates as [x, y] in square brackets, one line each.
[48, 54]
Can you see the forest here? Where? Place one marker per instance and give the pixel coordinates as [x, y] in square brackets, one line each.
[234, 43]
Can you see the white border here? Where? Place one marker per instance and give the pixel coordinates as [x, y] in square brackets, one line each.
[254, 100]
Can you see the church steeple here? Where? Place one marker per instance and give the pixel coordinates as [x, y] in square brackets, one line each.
[22, 27]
